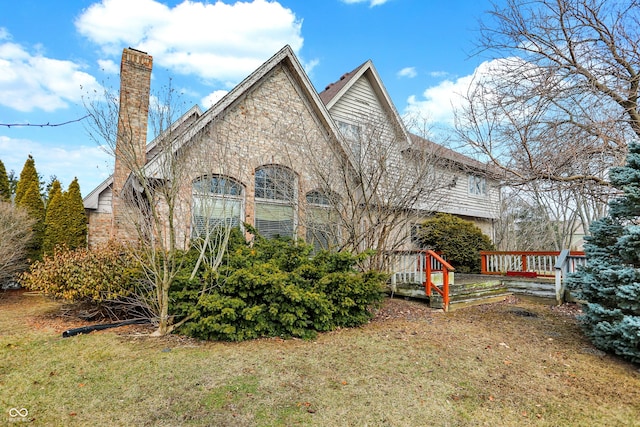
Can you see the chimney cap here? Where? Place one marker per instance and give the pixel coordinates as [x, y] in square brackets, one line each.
[137, 50]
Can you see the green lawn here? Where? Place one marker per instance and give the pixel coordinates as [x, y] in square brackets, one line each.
[485, 365]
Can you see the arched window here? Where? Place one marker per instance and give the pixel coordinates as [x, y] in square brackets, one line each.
[275, 194]
[322, 224]
[217, 202]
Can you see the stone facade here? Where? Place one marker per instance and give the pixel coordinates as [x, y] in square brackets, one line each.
[273, 118]
[272, 123]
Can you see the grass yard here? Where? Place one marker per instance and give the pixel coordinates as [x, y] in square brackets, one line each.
[506, 364]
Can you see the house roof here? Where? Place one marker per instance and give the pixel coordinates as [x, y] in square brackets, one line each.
[91, 200]
[334, 91]
[334, 88]
[424, 144]
[194, 120]
[286, 57]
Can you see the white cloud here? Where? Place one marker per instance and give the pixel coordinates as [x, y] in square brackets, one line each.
[438, 74]
[438, 103]
[32, 81]
[310, 65]
[108, 66]
[409, 72]
[90, 164]
[215, 41]
[4, 34]
[209, 100]
[372, 3]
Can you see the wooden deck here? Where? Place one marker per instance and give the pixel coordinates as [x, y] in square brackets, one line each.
[538, 276]
[472, 289]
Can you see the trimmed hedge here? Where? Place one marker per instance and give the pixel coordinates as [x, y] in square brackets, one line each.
[460, 241]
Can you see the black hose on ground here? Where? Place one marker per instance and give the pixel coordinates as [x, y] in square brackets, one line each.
[86, 329]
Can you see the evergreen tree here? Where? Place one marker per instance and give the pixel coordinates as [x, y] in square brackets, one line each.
[32, 202]
[76, 231]
[5, 188]
[55, 223]
[610, 283]
[28, 176]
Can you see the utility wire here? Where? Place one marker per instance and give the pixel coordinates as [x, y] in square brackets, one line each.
[9, 125]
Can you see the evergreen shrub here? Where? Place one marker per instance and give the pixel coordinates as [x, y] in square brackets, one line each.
[107, 273]
[460, 241]
[276, 288]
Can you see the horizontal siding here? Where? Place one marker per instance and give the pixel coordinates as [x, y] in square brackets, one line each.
[361, 104]
[104, 201]
[456, 199]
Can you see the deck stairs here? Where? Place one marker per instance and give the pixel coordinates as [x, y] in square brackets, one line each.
[464, 290]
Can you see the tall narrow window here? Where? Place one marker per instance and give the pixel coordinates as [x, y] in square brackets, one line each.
[351, 133]
[217, 202]
[322, 225]
[275, 201]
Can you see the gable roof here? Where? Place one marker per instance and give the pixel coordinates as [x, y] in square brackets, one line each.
[334, 91]
[286, 57]
[330, 92]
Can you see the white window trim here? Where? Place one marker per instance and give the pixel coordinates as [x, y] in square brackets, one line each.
[477, 185]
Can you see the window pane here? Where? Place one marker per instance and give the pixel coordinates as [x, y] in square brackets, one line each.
[274, 220]
[217, 203]
[318, 198]
[212, 212]
[322, 228]
[274, 183]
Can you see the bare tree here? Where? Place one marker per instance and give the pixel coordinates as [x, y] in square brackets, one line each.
[374, 184]
[156, 197]
[15, 229]
[558, 106]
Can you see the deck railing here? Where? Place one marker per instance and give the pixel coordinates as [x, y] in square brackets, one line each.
[417, 267]
[520, 263]
[568, 262]
[551, 264]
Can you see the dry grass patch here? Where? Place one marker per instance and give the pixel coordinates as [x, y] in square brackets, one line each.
[502, 364]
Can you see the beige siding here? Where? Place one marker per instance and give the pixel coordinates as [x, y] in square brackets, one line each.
[459, 201]
[104, 201]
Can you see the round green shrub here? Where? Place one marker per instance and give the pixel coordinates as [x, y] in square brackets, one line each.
[275, 288]
[460, 241]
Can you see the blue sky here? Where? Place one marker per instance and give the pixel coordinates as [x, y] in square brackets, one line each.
[54, 52]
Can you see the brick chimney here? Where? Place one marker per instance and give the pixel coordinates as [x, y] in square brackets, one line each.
[131, 141]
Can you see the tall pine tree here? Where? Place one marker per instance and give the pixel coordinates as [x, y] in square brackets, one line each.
[76, 232]
[55, 223]
[28, 175]
[5, 188]
[32, 202]
[610, 283]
